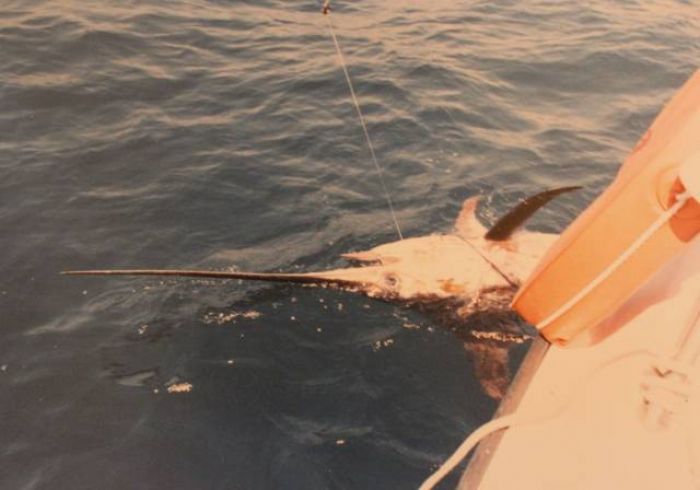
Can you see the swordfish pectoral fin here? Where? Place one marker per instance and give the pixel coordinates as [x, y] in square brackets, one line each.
[491, 367]
[467, 224]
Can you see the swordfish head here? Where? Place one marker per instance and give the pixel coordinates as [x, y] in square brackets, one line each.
[471, 269]
[465, 267]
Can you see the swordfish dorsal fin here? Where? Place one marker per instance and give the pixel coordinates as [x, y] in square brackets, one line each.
[467, 224]
[511, 221]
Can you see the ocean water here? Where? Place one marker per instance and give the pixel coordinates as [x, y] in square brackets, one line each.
[220, 133]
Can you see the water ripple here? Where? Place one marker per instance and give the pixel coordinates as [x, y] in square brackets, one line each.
[220, 133]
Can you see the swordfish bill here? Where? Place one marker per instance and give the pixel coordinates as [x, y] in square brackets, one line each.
[299, 278]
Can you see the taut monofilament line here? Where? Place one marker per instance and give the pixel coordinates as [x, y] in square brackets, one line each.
[326, 13]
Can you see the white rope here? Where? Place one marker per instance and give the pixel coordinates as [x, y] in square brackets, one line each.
[520, 419]
[607, 272]
[380, 173]
[465, 448]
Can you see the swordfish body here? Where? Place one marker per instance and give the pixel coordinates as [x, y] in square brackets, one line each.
[466, 278]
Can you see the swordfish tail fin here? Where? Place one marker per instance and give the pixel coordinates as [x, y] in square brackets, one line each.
[511, 221]
[311, 278]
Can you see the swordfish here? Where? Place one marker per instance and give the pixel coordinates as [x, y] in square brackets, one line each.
[466, 279]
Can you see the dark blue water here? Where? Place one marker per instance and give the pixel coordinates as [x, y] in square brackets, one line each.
[220, 133]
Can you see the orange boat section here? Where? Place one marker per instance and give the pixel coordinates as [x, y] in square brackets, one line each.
[644, 188]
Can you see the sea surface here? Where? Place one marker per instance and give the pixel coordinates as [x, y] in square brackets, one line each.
[220, 134]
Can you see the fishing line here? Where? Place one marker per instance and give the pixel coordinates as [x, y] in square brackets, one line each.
[493, 265]
[326, 11]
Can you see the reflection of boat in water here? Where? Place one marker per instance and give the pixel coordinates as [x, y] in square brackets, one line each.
[623, 283]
